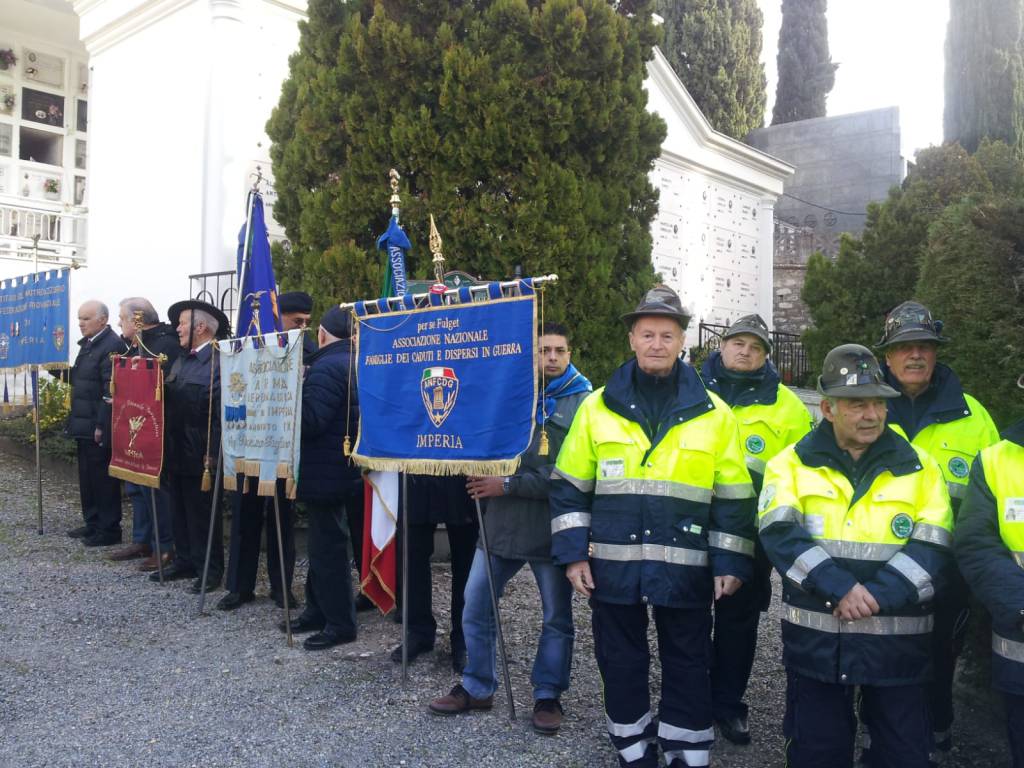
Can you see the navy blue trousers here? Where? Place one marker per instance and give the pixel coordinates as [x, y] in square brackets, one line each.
[244, 544]
[820, 725]
[735, 639]
[683, 725]
[1015, 727]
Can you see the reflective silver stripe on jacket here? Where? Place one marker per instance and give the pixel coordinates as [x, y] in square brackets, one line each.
[756, 464]
[697, 758]
[781, 515]
[675, 733]
[934, 534]
[873, 625]
[628, 729]
[570, 520]
[583, 486]
[651, 552]
[636, 751]
[1019, 557]
[957, 490]
[1008, 649]
[806, 563]
[668, 488]
[915, 574]
[859, 550]
[730, 542]
[734, 490]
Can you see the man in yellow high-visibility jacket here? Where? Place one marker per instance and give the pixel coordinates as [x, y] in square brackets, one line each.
[652, 506]
[989, 544]
[935, 413]
[858, 522]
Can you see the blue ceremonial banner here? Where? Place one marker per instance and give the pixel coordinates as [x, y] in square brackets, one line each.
[34, 320]
[394, 243]
[447, 389]
[256, 277]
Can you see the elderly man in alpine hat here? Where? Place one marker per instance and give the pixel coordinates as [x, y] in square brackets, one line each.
[193, 440]
[652, 507]
[858, 522]
[770, 417]
[935, 413]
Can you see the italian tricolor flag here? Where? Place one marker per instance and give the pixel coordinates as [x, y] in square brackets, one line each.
[380, 514]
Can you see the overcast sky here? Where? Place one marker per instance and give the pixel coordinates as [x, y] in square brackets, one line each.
[890, 52]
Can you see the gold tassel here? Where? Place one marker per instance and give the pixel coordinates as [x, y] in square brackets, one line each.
[348, 447]
[207, 484]
[543, 449]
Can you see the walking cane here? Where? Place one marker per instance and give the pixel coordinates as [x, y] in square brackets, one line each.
[209, 537]
[497, 612]
[405, 579]
[156, 534]
[284, 577]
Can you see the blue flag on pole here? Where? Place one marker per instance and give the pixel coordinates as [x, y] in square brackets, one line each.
[256, 284]
[34, 319]
[394, 243]
[447, 389]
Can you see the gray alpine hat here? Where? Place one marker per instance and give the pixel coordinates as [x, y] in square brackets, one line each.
[850, 370]
[755, 326]
[660, 301]
[910, 321]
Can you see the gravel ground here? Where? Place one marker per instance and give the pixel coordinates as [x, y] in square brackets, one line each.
[100, 667]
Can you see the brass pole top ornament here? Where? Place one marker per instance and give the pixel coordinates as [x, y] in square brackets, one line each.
[435, 248]
[396, 200]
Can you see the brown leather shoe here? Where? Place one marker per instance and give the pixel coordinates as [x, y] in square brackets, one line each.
[459, 701]
[131, 552]
[149, 564]
[547, 716]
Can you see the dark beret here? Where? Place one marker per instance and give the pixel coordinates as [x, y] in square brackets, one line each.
[295, 301]
[337, 322]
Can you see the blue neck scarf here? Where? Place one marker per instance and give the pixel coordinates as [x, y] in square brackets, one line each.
[571, 382]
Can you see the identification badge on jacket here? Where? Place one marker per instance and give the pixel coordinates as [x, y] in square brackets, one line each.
[612, 468]
[1013, 510]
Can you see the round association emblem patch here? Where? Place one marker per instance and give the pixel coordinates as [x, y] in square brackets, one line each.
[755, 443]
[958, 467]
[902, 525]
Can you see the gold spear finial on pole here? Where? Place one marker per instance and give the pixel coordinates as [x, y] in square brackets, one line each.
[396, 200]
[435, 248]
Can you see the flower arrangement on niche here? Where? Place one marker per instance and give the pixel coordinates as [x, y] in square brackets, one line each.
[7, 58]
[9, 101]
[51, 187]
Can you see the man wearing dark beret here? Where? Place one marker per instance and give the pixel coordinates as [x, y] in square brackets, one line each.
[296, 308]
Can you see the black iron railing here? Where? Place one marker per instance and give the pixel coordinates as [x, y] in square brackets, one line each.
[788, 353]
[217, 288]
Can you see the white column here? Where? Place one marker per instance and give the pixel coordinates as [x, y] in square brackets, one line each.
[220, 173]
[766, 259]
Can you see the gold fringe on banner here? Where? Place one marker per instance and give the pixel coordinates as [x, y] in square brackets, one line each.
[230, 482]
[150, 481]
[266, 488]
[439, 467]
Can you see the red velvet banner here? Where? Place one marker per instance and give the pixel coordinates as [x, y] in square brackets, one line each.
[137, 428]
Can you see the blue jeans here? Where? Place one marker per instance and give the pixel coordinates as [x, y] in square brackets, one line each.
[142, 517]
[553, 662]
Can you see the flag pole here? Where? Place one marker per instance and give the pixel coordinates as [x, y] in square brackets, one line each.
[246, 250]
[156, 534]
[496, 611]
[284, 574]
[405, 578]
[39, 466]
[209, 536]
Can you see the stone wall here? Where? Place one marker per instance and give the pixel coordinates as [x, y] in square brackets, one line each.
[793, 247]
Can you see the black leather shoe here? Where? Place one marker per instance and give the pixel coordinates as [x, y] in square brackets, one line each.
[302, 625]
[212, 585]
[102, 540]
[279, 600]
[174, 572]
[415, 650]
[734, 729]
[81, 532]
[233, 600]
[458, 660]
[328, 638]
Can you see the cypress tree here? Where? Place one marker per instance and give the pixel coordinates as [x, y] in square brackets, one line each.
[985, 73]
[520, 124]
[806, 71]
[715, 48]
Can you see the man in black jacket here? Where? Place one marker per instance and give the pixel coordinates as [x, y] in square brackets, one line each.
[518, 524]
[192, 426]
[328, 483]
[153, 339]
[89, 425]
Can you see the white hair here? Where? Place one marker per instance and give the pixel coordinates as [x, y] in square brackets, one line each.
[211, 323]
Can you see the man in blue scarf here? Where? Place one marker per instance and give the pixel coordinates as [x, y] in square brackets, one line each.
[519, 532]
